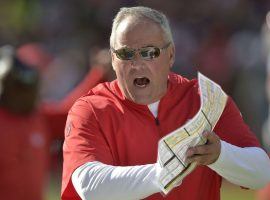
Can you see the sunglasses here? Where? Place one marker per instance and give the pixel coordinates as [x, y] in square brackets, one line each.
[146, 53]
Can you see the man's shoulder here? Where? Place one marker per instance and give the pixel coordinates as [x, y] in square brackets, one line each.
[182, 83]
[180, 79]
[100, 96]
[104, 89]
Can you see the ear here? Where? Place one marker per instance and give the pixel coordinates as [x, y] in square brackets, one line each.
[113, 59]
[171, 55]
[268, 19]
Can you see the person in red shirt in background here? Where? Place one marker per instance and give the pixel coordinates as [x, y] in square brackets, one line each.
[24, 137]
[100, 71]
[264, 194]
[28, 126]
[56, 111]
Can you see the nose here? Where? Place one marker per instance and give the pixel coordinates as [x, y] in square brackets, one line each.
[137, 61]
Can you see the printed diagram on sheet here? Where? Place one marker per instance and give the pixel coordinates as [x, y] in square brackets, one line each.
[172, 148]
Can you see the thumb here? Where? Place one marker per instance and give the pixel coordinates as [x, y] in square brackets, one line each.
[210, 137]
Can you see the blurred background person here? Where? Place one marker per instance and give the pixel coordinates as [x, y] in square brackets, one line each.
[266, 39]
[264, 194]
[24, 138]
[30, 126]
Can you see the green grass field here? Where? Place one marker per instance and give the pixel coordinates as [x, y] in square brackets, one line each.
[228, 192]
[232, 192]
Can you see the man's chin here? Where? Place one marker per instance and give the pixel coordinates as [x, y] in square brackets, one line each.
[141, 102]
[143, 99]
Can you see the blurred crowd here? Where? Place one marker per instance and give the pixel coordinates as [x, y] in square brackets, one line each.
[67, 42]
[222, 39]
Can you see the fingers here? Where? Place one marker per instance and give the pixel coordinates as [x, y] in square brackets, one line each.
[205, 154]
[211, 137]
[199, 150]
[200, 159]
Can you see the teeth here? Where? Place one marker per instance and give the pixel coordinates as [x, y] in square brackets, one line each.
[141, 86]
[141, 82]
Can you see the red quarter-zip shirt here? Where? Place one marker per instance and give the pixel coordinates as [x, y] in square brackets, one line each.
[105, 126]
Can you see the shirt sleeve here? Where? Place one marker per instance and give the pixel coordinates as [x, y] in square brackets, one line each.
[97, 181]
[84, 142]
[232, 128]
[241, 154]
[248, 167]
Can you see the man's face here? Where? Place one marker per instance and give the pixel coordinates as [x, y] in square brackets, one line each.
[142, 81]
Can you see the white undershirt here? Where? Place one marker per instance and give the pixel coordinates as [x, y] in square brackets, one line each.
[153, 107]
[248, 167]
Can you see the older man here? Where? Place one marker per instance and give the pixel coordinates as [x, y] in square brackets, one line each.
[112, 133]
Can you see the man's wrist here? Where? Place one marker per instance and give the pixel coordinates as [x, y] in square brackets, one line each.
[218, 162]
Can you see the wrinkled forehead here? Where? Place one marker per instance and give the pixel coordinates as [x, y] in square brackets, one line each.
[137, 32]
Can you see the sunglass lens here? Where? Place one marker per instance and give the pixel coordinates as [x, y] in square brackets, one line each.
[125, 54]
[150, 52]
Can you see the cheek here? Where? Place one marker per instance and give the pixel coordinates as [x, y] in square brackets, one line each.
[160, 69]
[120, 69]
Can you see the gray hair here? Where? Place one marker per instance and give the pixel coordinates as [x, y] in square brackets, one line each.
[266, 35]
[142, 12]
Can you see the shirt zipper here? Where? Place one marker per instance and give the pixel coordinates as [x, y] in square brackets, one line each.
[157, 121]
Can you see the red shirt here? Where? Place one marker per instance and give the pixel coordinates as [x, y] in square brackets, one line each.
[104, 126]
[24, 156]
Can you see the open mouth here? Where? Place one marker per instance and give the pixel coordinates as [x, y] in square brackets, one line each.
[141, 82]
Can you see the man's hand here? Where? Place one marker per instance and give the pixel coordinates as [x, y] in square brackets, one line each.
[205, 154]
